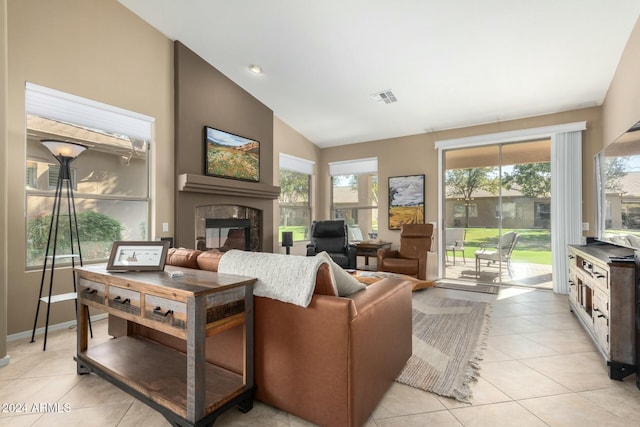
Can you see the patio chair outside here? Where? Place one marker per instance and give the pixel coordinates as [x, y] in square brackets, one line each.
[455, 243]
[500, 253]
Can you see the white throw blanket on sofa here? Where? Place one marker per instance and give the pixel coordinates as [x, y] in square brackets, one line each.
[287, 278]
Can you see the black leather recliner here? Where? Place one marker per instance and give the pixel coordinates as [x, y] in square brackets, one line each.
[332, 237]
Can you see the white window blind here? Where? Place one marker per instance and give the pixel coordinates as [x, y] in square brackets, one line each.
[566, 202]
[53, 173]
[52, 104]
[354, 167]
[296, 164]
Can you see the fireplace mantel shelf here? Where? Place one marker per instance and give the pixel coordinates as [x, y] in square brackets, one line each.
[227, 187]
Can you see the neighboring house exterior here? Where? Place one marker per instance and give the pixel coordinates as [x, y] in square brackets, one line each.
[623, 208]
[518, 211]
[109, 178]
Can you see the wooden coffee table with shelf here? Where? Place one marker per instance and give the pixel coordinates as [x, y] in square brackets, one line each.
[185, 388]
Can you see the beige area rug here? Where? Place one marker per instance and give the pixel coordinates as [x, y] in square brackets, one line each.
[449, 336]
[471, 287]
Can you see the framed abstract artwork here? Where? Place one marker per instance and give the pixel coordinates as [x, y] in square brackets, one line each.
[406, 200]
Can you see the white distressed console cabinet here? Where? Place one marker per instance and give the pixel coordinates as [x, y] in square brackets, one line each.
[602, 296]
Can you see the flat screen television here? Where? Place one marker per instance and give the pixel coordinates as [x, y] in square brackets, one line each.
[228, 155]
[618, 190]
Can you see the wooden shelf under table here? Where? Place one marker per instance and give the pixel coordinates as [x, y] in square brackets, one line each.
[184, 387]
[159, 372]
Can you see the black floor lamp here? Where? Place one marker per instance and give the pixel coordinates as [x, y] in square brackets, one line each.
[65, 153]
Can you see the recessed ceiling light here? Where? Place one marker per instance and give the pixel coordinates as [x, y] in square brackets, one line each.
[255, 68]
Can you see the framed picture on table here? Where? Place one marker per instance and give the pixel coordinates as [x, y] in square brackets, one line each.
[138, 256]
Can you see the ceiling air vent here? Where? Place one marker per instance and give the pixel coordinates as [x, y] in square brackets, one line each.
[385, 96]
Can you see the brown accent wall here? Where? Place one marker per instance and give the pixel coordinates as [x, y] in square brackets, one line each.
[95, 49]
[206, 97]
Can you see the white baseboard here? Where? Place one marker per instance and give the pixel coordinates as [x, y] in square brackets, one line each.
[56, 327]
[4, 361]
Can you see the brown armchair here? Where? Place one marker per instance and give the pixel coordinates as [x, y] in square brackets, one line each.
[411, 257]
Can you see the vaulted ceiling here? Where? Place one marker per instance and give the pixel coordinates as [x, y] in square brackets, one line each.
[449, 63]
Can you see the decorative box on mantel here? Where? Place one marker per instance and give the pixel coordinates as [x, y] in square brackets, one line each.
[226, 187]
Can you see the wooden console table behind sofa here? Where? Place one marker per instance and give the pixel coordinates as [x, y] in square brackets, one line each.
[185, 388]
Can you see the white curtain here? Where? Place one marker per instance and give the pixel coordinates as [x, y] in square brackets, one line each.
[566, 202]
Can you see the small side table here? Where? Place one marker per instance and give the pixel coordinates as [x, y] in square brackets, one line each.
[369, 248]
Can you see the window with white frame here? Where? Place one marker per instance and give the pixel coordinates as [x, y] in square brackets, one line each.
[295, 196]
[354, 196]
[110, 179]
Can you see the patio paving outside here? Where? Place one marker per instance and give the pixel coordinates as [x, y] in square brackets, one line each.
[524, 274]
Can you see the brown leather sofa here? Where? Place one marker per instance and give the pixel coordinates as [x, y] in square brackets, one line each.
[329, 363]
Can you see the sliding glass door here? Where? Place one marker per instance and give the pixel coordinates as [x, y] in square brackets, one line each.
[497, 214]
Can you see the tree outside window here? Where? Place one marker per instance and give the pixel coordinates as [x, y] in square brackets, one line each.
[463, 184]
[295, 208]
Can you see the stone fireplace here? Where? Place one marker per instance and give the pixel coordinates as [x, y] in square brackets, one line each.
[238, 207]
[226, 227]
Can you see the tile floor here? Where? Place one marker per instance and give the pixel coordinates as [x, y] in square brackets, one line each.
[523, 273]
[540, 369]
